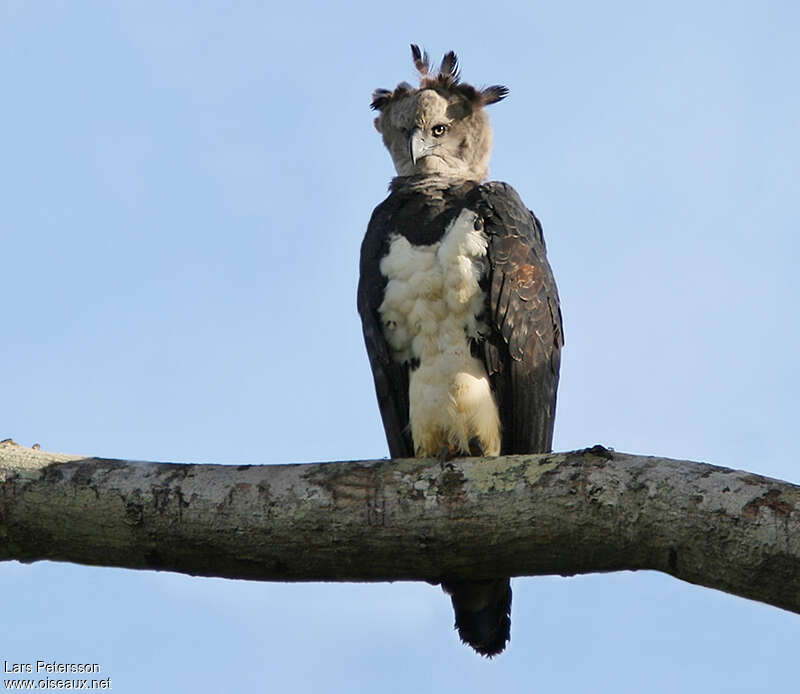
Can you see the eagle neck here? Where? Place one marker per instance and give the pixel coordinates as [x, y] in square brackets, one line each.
[430, 183]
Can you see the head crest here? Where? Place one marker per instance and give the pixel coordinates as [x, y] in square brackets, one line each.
[446, 80]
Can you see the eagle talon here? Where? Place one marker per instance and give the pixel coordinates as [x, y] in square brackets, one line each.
[476, 447]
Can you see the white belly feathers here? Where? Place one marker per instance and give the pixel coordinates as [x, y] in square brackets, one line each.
[429, 311]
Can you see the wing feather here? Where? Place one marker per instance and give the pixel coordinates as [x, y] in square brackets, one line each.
[391, 377]
[523, 356]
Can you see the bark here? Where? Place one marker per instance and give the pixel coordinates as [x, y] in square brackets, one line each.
[561, 513]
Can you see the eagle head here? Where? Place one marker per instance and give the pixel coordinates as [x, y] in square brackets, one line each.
[439, 128]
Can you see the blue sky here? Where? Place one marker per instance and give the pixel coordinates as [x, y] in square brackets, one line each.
[184, 190]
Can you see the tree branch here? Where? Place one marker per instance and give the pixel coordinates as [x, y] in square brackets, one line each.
[561, 513]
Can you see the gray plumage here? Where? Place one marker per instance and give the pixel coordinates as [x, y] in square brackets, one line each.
[458, 304]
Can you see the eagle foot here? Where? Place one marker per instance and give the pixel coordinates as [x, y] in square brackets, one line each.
[445, 455]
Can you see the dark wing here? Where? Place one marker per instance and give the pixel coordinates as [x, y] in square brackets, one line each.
[523, 352]
[391, 377]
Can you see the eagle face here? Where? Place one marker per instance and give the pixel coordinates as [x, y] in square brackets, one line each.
[429, 133]
[439, 129]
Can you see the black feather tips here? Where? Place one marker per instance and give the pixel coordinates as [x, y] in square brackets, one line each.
[448, 70]
[421, 61]
[449, 66]
[493, 94]
[446, 80]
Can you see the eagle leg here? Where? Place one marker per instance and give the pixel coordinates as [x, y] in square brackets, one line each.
[444, 455]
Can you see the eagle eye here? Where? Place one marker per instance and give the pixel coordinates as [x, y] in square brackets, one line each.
[439, 130]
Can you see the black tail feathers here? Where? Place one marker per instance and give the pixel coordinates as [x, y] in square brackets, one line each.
[483, 613]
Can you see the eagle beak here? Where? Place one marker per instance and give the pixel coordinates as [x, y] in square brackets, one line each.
[417, 146]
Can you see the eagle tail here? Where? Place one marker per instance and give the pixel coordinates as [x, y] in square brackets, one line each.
[483, 613]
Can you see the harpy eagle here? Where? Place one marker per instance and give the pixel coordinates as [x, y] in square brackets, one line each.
[459, 308]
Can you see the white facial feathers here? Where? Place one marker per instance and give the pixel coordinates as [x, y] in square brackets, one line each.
[440, 129]
[457, 138]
